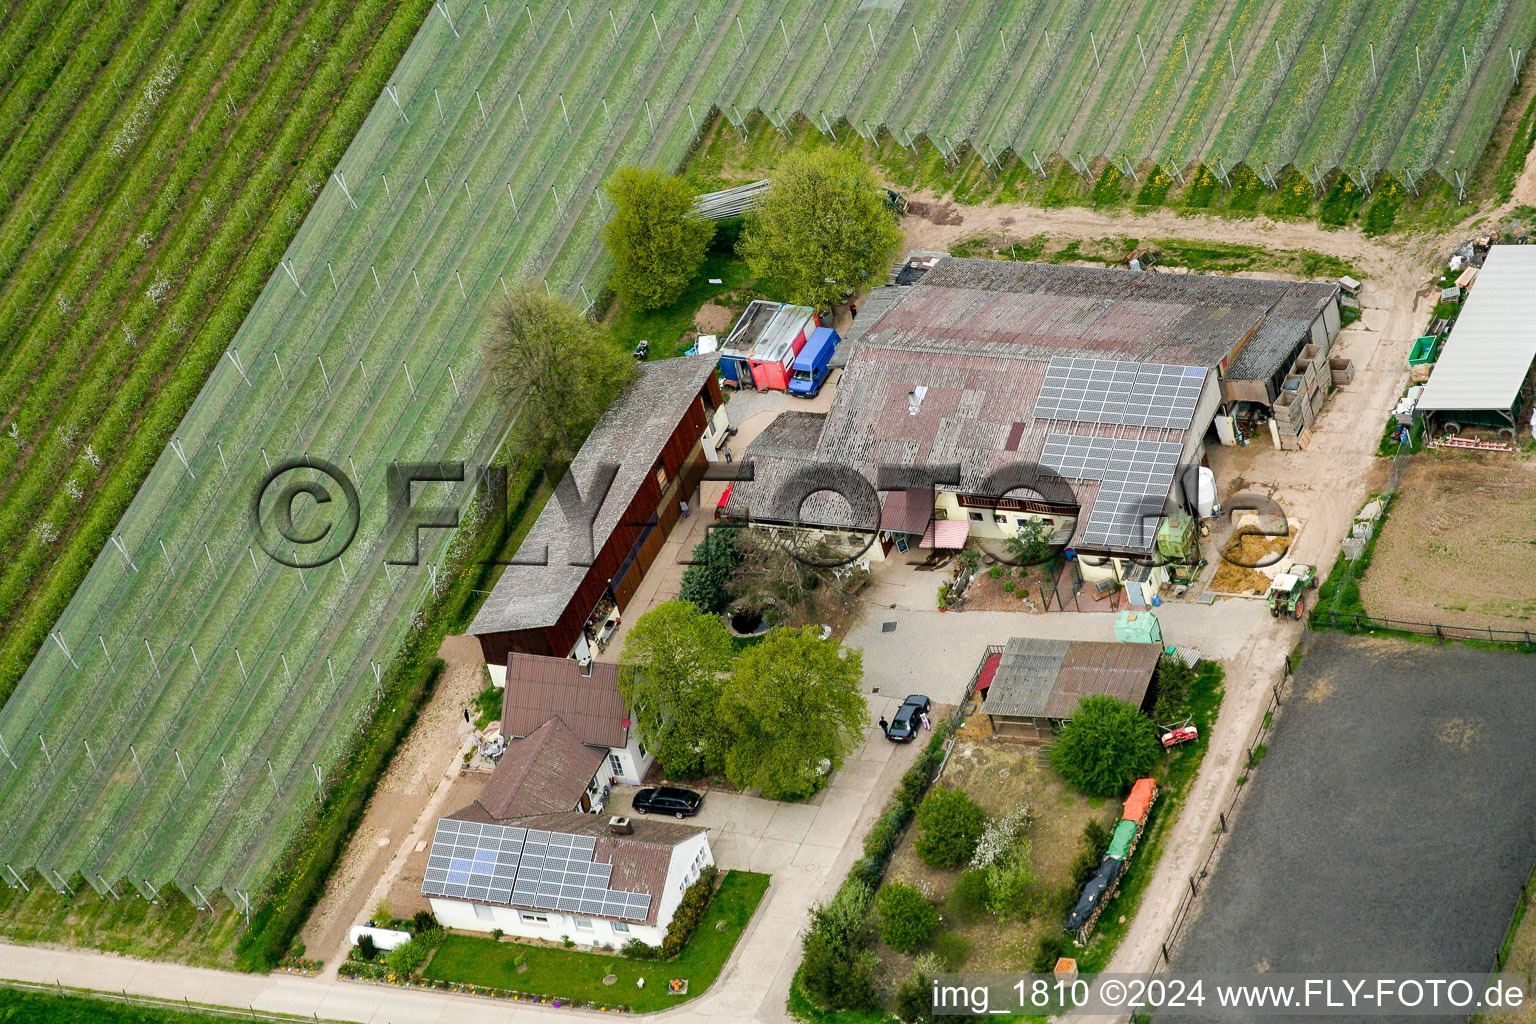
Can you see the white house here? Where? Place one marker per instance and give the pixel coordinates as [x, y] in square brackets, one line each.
[593, 880]
[525, 858]
[586, 698]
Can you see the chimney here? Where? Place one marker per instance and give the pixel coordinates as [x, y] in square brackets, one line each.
[915, 399]
[620, 826]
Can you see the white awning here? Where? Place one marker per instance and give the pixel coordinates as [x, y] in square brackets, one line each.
[1493, 342]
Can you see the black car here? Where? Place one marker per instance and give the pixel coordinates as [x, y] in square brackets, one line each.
[681, 803]
[905, 725]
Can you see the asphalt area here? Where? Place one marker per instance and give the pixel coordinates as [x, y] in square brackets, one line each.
[1390, 823]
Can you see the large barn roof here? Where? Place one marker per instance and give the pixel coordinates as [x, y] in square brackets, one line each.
[631, 436]
[1493, 343]
[1038, 310]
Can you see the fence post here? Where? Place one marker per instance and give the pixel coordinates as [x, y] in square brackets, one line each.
[1193, 890]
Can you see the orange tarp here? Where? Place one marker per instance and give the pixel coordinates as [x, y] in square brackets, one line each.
[1140, 799]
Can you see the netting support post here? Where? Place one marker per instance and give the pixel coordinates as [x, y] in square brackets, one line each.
[19, 880]
[272, 777]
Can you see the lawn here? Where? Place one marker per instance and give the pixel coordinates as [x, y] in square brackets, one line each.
[572, 974]
[1000, 776]
[666, 327]
[19, 1007]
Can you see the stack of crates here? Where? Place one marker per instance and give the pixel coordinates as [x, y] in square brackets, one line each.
[1302, 396]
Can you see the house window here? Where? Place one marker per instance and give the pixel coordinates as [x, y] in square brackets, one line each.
[528, 918]
[484, 913]
[583, 924]
[620, 926]
[641, 747]
[616, 765]
[976, 516]
[660, 472]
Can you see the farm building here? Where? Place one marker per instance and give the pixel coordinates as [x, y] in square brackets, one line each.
[1037, 684]
[1483, 376]
[566, 588]
[1088, 387]
[585, 698]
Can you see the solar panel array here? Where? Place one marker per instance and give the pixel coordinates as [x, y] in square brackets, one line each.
[1134, 476]
[1115, 391]
[528, 868]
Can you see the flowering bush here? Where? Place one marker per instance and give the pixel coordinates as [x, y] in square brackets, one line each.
[999, 837]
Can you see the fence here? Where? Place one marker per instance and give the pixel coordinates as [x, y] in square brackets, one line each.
[1062, 588]
[1441, 631]
[1224, 822]
[169, 1005]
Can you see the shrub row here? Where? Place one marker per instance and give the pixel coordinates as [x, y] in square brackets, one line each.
[880, 843]
[837, 971]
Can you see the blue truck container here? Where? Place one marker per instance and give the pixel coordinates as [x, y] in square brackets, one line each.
[809, 372]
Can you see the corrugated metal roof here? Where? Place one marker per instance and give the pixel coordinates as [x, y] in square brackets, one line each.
[1493, 343]
[1047, 678]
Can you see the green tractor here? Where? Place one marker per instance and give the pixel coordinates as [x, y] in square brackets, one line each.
[1286, 593]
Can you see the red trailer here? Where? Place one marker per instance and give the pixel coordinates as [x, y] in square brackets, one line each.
[774, 356]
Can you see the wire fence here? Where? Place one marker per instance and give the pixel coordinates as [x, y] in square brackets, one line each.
[1224, 818]
[169, 1005]
[1442, 631]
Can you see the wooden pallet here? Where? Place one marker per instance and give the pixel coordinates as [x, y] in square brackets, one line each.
[1467, 442]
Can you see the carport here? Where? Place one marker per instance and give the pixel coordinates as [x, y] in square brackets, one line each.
[1481, 377]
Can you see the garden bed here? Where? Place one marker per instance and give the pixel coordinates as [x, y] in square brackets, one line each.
[1000, 777]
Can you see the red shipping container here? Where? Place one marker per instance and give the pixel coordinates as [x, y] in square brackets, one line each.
[783, 339]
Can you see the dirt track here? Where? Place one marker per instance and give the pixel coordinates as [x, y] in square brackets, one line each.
[403, 798]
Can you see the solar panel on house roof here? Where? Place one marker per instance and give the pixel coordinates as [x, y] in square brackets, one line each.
[526, 867]
[473, 861]
[1117, 391]
[1135, 477]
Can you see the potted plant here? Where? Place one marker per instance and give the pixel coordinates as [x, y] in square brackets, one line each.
[944, 596]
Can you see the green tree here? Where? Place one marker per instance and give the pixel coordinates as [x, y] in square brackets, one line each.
[822, 230]
[907, 918]
[1106, 746]
[669, 675]
[792, 709]
[1030, 543]
[656, 239]
[950, 824]
[1171, 683]
[836, 967]
[559, 366]
[706, 581]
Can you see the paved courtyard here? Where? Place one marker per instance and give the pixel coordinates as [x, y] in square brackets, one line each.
[789, 840]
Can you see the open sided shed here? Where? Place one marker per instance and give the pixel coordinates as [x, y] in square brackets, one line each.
[1482, 376]
[1039, 683]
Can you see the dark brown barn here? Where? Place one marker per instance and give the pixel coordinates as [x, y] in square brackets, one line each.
[653, 434]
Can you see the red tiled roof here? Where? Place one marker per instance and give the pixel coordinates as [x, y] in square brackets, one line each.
[540, 688]
[544, 773]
